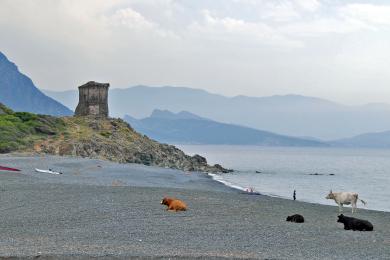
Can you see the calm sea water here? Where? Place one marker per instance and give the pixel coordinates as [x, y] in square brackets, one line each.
[365, 171]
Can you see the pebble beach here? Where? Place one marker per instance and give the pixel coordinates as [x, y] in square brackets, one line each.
[107, 210]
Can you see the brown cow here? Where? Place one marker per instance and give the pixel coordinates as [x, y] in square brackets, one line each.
[174, 204]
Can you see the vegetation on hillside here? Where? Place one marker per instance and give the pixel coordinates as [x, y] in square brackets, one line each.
[20, 130]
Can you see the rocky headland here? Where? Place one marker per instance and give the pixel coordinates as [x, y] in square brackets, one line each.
[91, 137]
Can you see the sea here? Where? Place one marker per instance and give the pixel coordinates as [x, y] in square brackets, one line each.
[312, 172]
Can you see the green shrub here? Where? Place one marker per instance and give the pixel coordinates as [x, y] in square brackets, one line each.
[18, 130]
[106, 134]
[25, 116]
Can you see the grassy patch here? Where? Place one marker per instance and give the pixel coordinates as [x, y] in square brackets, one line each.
[19, 130]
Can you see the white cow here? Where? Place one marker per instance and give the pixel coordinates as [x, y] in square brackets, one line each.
[346, 198]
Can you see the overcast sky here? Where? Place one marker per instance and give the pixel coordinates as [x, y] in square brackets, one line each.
[338, 50]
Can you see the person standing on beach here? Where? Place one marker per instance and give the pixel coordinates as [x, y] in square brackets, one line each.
[295, 195]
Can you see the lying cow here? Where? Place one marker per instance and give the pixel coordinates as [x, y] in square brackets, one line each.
[346, 198]
[174, 204]
[296, 218]
[355, 223]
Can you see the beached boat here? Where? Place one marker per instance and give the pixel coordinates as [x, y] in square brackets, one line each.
[47, 171]
[2, 168]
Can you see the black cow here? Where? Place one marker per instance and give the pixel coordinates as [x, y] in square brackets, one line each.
[355, 223]
[296, 218]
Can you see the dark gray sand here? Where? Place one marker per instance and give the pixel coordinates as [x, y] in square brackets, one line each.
[114, 211]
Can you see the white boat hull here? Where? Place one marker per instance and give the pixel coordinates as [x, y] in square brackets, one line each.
[48, 171]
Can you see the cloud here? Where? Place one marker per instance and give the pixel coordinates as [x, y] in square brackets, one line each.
[368, 13]
[308, 5]
[134, 22]
[279, 11]
[324, 26]
[228, 29]
[129, 18]
[350, 18]
[256, 47]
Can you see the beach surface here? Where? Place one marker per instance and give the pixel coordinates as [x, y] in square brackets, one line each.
[103, 209]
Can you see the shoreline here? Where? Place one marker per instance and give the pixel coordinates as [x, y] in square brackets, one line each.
[281, 171]
[216, 178]
[346, 208]
[113, 211]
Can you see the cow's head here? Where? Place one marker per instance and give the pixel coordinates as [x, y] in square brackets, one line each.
[166, 201]
[341, 218]
[330, 196]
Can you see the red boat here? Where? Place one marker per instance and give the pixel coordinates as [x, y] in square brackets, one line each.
[9, 169]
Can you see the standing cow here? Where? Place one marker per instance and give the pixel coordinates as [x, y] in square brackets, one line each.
[346, 198]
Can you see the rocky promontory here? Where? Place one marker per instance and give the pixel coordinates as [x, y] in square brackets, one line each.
[91, 137]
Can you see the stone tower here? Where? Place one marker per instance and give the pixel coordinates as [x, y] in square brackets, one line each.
[93, 99]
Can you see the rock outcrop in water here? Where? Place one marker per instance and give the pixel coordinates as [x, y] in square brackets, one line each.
[115, 140]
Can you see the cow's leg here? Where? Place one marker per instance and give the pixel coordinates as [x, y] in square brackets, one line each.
[340, 207]
[353, 207]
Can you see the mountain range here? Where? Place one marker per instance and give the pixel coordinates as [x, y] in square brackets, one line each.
[187, 128]
[219, 119]
[18, 92]
[291, 115]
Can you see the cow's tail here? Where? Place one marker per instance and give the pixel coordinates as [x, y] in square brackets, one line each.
[364, 203]
[357, 198]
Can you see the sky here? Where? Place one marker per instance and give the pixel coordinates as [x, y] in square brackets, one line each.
[338, 50]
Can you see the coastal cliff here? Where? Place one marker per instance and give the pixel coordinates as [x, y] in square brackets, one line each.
[91, 137]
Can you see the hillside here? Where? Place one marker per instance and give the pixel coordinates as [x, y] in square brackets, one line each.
[290, 115]
[368, 140]
[108, 139]
[187, 128]
[18, 92]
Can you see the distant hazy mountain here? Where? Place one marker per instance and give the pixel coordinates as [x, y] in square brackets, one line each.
[288, 115]
[187, 128]
[18, 92]
[69, 98]
[369, 140]
[168, 115]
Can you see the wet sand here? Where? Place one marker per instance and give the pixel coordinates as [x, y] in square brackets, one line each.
[103, 209]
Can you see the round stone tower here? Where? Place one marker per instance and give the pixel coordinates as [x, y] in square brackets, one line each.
[93, 99]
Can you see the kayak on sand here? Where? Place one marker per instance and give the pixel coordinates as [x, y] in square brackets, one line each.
[47, 171]
[2, 168]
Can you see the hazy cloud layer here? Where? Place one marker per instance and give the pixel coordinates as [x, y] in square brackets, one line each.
[333, 49]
